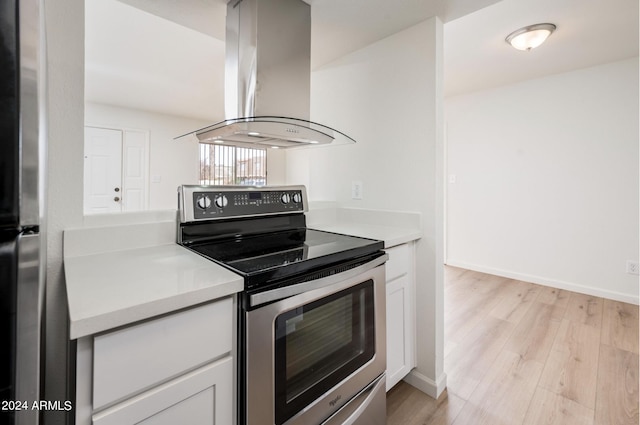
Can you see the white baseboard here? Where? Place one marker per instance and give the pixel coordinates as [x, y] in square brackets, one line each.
[427, 385]
[569, 286]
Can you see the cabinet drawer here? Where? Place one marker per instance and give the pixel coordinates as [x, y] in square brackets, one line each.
[399, 262]
[201, 397]
[133, 359]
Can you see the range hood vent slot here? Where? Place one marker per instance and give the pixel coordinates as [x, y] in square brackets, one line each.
[268, 79]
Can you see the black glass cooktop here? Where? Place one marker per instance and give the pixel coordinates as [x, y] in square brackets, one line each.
[263, 259]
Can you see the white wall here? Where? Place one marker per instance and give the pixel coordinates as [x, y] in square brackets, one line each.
[387, 97]
[175, 162]
[276, 167]
[65, 67]
[547, 180]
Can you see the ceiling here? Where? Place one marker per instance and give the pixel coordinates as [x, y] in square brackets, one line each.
[167, 56]
[136, 60]
[589, 33]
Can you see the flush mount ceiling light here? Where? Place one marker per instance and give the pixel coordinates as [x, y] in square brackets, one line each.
[530, 37]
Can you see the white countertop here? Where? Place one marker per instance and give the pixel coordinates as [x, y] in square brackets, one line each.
[391, 236]
[111, 289]
[391, 227]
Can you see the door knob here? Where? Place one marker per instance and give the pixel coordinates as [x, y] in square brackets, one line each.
[116, 199]
[117, 189]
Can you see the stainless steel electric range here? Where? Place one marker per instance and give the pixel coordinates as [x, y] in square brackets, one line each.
[311, 319]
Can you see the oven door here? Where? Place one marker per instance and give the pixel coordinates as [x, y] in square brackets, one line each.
[310, 354]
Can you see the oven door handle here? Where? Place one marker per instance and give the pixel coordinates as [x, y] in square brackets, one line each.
[288, 291]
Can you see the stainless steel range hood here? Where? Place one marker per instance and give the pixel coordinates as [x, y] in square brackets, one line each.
[267, 78]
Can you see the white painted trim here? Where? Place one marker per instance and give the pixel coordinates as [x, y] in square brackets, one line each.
[559, 284]
[427, 385]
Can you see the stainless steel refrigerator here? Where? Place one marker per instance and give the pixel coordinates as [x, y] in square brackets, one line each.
[22, 145]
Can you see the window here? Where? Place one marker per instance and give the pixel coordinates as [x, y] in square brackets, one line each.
[231, 165]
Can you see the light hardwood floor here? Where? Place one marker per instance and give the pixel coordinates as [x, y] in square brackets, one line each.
[517, 353]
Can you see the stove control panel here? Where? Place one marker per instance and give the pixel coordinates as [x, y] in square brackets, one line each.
[220, 202]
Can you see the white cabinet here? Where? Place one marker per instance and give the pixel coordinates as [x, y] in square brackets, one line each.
[202, 397]
[174, 369]
[400, 313]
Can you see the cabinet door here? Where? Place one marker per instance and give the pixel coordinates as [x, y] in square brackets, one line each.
[201, 397]
[399, 330]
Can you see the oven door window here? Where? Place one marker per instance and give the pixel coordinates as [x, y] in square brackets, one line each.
[319, 344]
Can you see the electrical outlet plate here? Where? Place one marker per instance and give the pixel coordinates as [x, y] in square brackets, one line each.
[356, 190]
[633, 267]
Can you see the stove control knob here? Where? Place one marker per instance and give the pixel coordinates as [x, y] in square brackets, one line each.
[297, 197]
[221, 201]
[203, 202]
[285, 198]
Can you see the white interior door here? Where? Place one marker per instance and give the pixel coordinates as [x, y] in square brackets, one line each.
[115, 170]
[134, 171]
[102, 170]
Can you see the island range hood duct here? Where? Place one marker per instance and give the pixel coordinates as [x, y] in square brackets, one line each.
[267, 78]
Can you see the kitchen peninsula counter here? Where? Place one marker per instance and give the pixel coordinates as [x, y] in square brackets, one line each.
[392, 227]
[391, 236]
[120, 275]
